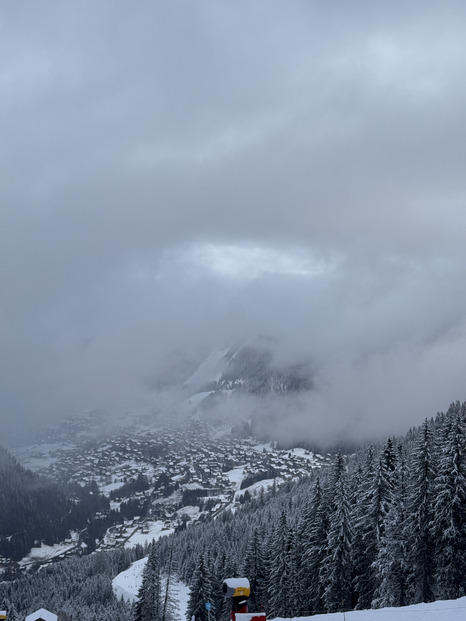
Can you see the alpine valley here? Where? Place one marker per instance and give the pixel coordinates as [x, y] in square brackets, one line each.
[142, 515]
[186, 455]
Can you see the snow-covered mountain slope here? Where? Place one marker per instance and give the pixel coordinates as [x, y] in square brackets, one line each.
[246, 388]
[127, 585]
[255, 368]
[209, 371]
[444, 610]
[252, 367]
[229, 387]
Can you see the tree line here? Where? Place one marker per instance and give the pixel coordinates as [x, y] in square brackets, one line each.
[35, 509]
[384, 527]
[75, 589]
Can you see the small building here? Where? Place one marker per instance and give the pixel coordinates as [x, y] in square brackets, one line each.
[42, 615]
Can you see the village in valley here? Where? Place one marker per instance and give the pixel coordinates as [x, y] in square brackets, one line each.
[159, 481]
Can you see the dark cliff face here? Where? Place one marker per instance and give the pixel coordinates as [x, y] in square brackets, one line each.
[253, 369]
[257, 393]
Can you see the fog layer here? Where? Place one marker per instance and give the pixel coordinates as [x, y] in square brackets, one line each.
[180, 176]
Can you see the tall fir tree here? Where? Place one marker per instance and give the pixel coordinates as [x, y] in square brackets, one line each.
[278, 588]
[268, 561]
[168, 605]
[220, 572]
[294, 560]
[254, 570]
[201, 592]
[420, 520]
[149, 606]
[391, 562]
[365, 517]
[449, 528]
[336, 570]
[376, 500]
[314, 541]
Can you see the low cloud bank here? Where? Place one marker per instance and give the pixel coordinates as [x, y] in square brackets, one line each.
[384, 349]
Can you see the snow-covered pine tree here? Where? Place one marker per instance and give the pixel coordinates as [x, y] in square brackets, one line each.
[254, 570]
[449, 528]
[168, 606]
[420, 519]
[278, 587]
[219, 603]
[149, 606]
[305, 523]
[224, 566]
[391, 562]
[367, 519]
[336, 570]
[293, 550]
[269, 538]
[389, 456]
[230, 568]
[314, 541]
[201, 591]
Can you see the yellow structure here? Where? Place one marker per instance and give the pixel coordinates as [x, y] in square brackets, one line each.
[242, 592]
[236, 587]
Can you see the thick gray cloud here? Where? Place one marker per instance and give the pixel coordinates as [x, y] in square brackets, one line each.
[179, 174]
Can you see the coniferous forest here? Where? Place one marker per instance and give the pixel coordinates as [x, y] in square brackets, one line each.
[37, 509]
[383, 527]
[76, 588]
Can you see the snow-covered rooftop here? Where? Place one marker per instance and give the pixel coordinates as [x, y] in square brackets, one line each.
[42, 613]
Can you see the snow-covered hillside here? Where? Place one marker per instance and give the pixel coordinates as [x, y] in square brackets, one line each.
[445, 610]
[127, 585]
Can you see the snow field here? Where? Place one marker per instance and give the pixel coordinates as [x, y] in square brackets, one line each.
[46, 553]
[128, 582]
[445, 610]
[155, 530]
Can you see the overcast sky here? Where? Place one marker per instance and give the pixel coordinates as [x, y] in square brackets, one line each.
[178, 174]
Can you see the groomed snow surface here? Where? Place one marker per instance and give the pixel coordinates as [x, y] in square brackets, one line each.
[446, 610]
[127, 585]
[128, 582]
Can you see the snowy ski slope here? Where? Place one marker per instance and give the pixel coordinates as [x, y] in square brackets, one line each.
[128, 582]
[445, 610]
